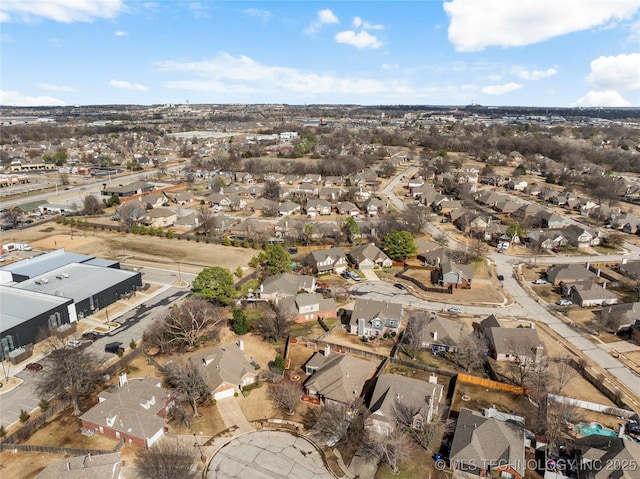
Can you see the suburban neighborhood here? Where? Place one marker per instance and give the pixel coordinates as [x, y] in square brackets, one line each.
[273, 291]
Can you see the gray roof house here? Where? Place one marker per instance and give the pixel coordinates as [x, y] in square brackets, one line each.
[626, 314]
[568, 273]
[337, 377]
[372, 319]
[391, 390]
[589, 293]
[308, 307]
[327, 260]
[481, 444]
[96, 466]
[511, 344]
[136, 413]
[286, 284]
[440, 334]
[288, 208]
[368, 256]
[225, 368]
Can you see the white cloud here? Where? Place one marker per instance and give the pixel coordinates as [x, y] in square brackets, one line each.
[325, 17]
[359, 23]
[534, 74]
[228, 75]
[501, 89]
[13, 98]
[264, 15]
[610, 98]
[621, 72]
[65, 11]
[477, 24]
[120, 33]
[50, 87]
[127, 85]
[362, 39]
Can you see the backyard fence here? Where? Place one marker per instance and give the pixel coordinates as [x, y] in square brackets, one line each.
[591, 406]
[488, 383]
[67, 451]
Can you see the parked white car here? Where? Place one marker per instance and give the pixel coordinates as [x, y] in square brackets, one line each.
[564, 302]
[540, 281]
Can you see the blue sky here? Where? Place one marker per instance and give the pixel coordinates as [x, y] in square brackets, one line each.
[492, 52]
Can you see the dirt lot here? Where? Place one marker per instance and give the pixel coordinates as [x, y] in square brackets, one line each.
[25, 465]
[136, 249]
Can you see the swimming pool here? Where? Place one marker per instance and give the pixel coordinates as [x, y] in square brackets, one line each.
[585, 429]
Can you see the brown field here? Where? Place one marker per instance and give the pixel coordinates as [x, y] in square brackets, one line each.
[134, 249]
[25, 465]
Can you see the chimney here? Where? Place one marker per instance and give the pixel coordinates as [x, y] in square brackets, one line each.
[241, 344]
[435, 336]
[327, 350]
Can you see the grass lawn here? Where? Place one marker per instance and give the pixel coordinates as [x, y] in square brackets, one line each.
[421, 466]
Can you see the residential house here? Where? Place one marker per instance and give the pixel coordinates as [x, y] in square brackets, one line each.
[96, 466]
[455, 275]
[374, 207]
[373, 319]
[189, 221]
[135, 413]
[630, 269]
[154, 200]
[253, 191]
[290, 228]
[332, 193]
[580, 236]
[286, 284]
[225, 369]
[511, 344]
[288, 208]
[392, 392]
[347, 208]
[625, 315]
[589, 293]
[324, 229]
[568, 273]
[219, 200]
[265, 206]
[305, 307]
[415, 182]
[629, 223]
[517, 185]
[427, 193]
[481, 445]
[360, 194]
[446, 206]
[252, 228]
[316, 207]
[439, 334]
[490, 198]
[331, 260]
[435, 257]
[507, 206]
[160, 218]
[337, 378]
[547, 239]
[368, 256]
[605, 457]
[549, 219]
[469, 221]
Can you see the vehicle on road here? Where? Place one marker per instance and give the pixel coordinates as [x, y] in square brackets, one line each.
[500, 277]
[91, 336]
[74, 343]
[34, 367]
[114, 348]
[351, 275]
[555, 249]
[400, 286]
[323, 290]
[540, 281]
[455, 309]
[564, 302]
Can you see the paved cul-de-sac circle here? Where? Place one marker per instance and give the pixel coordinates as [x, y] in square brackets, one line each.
[268, 455]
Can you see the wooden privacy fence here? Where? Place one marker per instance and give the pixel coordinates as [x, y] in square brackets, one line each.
[488, 383]
[67, 451]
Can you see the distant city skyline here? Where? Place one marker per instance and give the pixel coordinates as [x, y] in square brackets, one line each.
[537, 53]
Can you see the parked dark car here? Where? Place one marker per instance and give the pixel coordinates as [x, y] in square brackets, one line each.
[323, 290]
[114, 348]
[399, 286]
[500, 277]
[91, 336]
[35, 367]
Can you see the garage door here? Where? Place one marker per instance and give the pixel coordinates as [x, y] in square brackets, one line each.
[227, 393]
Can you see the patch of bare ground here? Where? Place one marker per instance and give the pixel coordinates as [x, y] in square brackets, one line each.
[64, 431]
[134, 249]
[378, 346]
[25, 465]
[209, 422]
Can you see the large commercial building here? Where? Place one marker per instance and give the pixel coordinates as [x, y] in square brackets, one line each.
[50, 291]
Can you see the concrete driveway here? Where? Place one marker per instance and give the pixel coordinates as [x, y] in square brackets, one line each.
[232, 415]
[370, 275]
[268, 455]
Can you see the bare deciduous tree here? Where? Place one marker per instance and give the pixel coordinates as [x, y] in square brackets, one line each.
[393, 449]
[188, 322]
[275, 323]
[557, 418]
[91, 206]
[187, 382]
[63, 377]
[415, 218]
[563, 372]
[205, 216]
[167, 459]
[470, 352]
[429, 436]
[415, 334]
[156, 335]
[286, 395]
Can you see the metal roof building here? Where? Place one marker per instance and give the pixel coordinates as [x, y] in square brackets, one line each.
[32, 267]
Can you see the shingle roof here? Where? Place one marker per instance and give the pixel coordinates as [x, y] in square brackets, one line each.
[223, 364]
[341, 377]
[97, 466]
[481, 441]
[286, 283]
